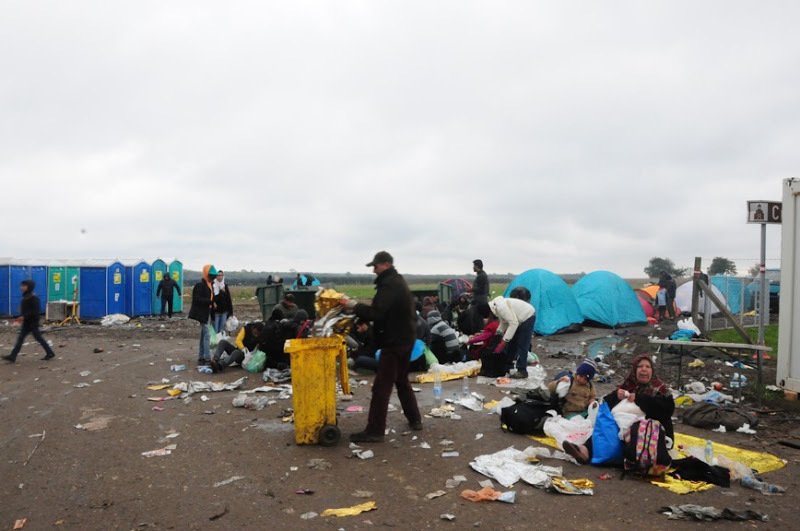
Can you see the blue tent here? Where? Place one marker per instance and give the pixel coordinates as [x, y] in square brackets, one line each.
[731, 288]
[606, 299]
[556, 308]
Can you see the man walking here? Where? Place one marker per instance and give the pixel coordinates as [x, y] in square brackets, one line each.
[30, 308]
[394, 328]
[480, 288]
[164, 290]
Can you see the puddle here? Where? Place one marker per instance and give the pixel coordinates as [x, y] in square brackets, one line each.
[600, 348]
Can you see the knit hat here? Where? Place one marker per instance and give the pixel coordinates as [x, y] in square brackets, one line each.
[588, 369]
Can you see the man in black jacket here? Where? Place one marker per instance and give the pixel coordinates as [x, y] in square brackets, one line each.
[30, 308]
[164, 290]
[480, 288]
[202, 311]
[394, 328]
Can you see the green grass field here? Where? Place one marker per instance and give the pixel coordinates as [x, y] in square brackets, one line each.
[356, 291]
[732, 336]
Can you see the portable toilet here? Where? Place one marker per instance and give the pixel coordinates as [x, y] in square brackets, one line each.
[72, 279]
[157, 271]
[115, 288]
[5, 288]
[57, 283]
[137, 289]
[176, 272]
[24, 270]
[92, 291]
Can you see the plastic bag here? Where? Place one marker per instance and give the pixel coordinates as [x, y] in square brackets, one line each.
[625, 413]
[232, 324]
[576, 430]
[562, 388]
[213, 338]
[688, 324]
[606, 446]
[256, 362]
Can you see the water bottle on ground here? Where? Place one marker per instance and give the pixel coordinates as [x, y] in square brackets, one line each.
[465, 387]
[437, 389]
[177, 368]
[765, 488]
[709, 452]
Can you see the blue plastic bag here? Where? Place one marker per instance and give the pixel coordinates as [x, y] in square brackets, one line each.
[606, 446]
[416, 352]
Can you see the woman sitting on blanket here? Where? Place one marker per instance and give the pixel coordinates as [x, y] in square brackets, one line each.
[643, 388]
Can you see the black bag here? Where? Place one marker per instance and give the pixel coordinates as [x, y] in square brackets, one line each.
[492, 365]
[525, 418]
[645, 453]
[710, 416]
[693, 469]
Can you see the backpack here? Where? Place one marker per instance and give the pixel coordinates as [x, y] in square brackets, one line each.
[646, 452]
[492, 365]
[525, 418]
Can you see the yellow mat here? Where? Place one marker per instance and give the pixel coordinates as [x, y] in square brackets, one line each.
[761, 462]
[427, 377]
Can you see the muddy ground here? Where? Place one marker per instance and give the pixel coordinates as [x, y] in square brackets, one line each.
[97, 478]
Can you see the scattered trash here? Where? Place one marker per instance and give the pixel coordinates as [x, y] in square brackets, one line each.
[84, 374]
[763, 487]
[158, 387]
[219, 515]
[435, 494]
[425, 445]
[488, 494]
[351, 511]
[470, 403]
[510, 465]
[306, 492]
[697, 512]
[695, 387]
[227, 481]
[205, 369]
[158, 408]
[97, 350]
[293, 468]
[204, 398]
[81, 385]
[745, 429]
[696, 364]
[575, 487]
[354, 409]
[322, 464]
[738, 381]
[478, 436]
[19, 524]
[114, 319]
[722, 429]
[363, 454]
[276, 376]
[167, 450]
[309, 515]
[455, 481]
[605, 476]
[177, 367]
[450, 454]
[174, 392]
[200, 387]
[447, 516]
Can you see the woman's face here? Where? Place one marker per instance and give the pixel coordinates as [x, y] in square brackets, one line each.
[644, 371]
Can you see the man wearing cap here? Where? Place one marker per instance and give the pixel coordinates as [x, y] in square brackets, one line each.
[394, 328]
[480, 288]
[202, 311]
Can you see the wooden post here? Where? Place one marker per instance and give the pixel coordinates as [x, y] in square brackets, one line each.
[696, 292]
[722, 308]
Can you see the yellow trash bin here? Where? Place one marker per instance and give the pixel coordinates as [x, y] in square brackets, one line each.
[314, 387]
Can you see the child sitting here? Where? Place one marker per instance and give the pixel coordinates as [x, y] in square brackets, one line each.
[575, 399]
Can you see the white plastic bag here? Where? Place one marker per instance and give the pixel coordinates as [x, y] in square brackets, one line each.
[688, 324]
[576, 430]
[562, 388]
[625, 414]
[232, 324]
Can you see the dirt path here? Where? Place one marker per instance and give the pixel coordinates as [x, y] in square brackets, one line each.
[95, 477]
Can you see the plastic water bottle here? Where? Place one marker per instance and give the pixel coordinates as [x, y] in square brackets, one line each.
[765, 488]
[177, 368]
[465, 387]
[437, 389]
[709, 453]
[205, 369]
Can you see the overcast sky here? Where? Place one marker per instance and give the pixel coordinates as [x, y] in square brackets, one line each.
[572, 136]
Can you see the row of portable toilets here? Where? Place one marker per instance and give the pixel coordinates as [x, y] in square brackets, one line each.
[99, 287]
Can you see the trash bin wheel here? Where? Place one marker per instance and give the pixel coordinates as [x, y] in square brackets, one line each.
[329, 435]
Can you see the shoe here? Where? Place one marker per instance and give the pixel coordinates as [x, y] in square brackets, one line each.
[9, 359]
[519, 375]
[416, 426]
[575, 452]
[215, 366]
[202, 361]
[48, 357]
[364, 437]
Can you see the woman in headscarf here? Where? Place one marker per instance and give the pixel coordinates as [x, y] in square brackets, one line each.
[223, 300]
[642, 387]
[202, 311]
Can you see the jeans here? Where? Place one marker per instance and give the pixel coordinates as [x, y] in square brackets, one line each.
[520, 344]
[37, 335]
[231, 354]
[219, 321]
[392, 372]
[204, 353]
[166, 304]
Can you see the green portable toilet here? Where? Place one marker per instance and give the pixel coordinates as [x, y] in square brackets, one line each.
[56, 283]
[72, 279]
[176, 272]
[157, 271]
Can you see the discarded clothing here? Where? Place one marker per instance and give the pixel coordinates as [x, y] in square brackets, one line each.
[697, 512]
[456, 371]
[276, 376]
[510, 465]
[710, 416]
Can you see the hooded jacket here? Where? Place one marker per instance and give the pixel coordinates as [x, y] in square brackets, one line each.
[202, 298]
[510, 313]
[166, 287]
[392, 311]
[442, 331]
[30, 307]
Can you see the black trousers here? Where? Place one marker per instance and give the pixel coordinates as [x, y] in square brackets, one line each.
[37, 335]
[166, 302]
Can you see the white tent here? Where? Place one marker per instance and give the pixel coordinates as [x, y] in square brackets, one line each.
[683, 298]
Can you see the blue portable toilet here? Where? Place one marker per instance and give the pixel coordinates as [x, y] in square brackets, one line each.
[158, 270]
[21, 270]
[557, 311]
[115, 288]
[607, 300]
[93, 290]
[137, 288]
[5, 288]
